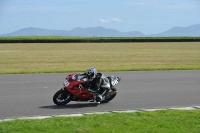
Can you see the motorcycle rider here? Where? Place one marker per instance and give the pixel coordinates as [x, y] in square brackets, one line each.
[98, 81]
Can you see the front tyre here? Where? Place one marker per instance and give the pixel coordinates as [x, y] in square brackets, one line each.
[62, 97]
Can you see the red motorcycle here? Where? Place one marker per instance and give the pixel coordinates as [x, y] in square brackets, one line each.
[75, 89]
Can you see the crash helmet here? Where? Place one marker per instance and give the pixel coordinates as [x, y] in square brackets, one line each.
[91, 73]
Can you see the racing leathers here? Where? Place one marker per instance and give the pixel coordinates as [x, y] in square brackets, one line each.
[101, 82]
[99, 85]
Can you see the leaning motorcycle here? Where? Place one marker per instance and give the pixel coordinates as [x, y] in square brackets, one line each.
[75, 89]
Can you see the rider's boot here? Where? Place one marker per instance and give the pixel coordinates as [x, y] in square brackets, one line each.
[98, 98]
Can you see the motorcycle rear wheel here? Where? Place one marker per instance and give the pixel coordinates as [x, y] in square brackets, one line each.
[62, 97]
[106, 100]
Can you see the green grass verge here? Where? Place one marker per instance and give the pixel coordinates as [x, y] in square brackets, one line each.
[68, 57]
[163, 121]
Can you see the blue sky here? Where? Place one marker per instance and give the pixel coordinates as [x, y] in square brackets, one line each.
[147, 16]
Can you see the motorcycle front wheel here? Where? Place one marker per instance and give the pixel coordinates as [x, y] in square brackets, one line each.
[62, 97]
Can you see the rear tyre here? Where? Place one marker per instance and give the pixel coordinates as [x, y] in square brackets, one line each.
[106, 100]
[62, 97]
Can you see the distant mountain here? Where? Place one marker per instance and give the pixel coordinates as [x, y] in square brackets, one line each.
[85, 32]
[102, 32]
[31, 31]
[193, 30]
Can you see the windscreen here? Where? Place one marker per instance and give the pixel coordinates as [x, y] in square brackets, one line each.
[76, 77]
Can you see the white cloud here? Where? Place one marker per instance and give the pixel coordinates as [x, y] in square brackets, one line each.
[142, 4]
[110, 20]
[180, 6]
[104, 21]
[116, 19]
[39, 9]
[175, 5]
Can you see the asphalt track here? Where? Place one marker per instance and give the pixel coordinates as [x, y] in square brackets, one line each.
[31, 94]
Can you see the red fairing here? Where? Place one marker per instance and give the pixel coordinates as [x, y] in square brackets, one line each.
[75, 88]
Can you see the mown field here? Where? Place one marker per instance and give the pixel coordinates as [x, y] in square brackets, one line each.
[68, 57]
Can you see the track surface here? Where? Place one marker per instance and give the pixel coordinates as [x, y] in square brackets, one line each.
[31, 94]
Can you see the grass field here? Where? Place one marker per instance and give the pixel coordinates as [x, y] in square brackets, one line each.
[163, 121]
[67, 57]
